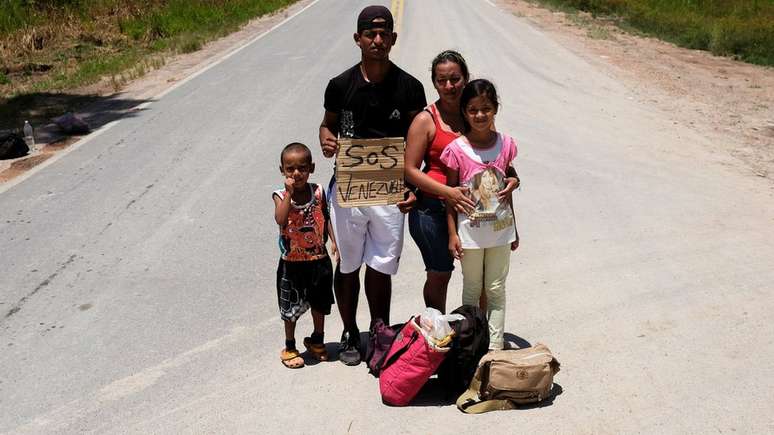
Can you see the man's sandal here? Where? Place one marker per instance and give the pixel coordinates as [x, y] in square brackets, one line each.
[317, 350]
[291, 359]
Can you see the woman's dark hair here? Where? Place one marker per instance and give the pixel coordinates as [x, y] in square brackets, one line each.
[477, 88]
[450, 56]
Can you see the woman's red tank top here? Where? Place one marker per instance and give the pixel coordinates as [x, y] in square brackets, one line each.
[434, 167]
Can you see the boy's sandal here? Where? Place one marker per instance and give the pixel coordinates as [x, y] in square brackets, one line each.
[291, 359]
[317, 350]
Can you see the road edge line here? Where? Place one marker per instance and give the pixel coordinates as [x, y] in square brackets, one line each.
[4, 187]
[226, 56]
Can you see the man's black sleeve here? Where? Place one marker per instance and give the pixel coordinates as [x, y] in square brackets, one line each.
[333, 97]
[417, 97]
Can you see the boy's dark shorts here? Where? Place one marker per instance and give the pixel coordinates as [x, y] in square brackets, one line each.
[301, 284]
[427, 226]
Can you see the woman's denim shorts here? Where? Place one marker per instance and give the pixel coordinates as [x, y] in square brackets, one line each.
[427, 225]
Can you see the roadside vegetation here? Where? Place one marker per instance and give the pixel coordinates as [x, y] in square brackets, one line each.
[743, 29]
[52, 46]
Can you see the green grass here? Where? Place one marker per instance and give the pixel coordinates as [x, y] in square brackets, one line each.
[84, 40]
[90, 70]
[14, 15]
[743, 29]
[51, 48]
[185, 25]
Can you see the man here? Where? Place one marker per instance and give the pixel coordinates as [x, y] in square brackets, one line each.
[377, 99]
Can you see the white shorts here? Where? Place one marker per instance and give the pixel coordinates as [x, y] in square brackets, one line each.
[372, 235]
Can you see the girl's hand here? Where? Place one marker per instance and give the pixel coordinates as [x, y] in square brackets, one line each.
[458, 198]
[455, 247]
[512, 183]
[289, 181]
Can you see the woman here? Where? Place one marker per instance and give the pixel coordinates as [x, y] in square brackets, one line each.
[431, 130]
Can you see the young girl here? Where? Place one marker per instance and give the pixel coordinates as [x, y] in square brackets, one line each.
[482, 240]
[304, 273]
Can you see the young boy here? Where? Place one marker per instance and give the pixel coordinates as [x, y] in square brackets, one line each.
[304, 273]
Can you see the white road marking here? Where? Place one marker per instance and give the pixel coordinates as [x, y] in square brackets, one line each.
[58, 155]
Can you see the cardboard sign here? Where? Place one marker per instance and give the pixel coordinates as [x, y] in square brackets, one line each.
[369, 171]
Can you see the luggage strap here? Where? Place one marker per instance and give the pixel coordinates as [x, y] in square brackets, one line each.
[394, 357]
[472, 406]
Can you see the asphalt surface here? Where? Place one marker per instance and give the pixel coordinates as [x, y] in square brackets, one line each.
[137, 289]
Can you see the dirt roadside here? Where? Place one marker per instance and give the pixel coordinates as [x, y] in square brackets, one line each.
[731, 101]
[107, 105]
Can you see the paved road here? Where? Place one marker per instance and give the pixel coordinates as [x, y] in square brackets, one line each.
[137, 293]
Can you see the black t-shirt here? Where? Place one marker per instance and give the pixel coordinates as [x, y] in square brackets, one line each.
[378, 109]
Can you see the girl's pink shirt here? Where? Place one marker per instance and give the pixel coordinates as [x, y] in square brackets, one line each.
[455, 158]
[487, 227]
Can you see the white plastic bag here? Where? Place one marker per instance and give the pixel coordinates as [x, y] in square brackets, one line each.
[435, 324]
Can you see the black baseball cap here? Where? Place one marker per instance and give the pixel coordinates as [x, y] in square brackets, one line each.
[367, 16]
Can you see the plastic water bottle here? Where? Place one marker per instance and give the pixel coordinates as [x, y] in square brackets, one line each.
[29, 136]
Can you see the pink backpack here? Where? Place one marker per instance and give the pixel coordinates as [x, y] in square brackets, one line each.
[411, 361]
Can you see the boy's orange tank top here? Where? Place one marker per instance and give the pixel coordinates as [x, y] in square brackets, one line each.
[303, 237]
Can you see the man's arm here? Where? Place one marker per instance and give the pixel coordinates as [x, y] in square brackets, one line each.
[329, 129]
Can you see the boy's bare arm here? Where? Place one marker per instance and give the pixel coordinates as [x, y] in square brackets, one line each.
[331, 235]
[281, 209]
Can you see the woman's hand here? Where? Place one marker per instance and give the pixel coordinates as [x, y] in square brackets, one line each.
[511, 184]
[457, 197]
[455, 247]
[409, 201]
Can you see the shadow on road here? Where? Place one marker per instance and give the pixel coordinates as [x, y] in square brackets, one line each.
[333, 355]
[434, 394]
[40, 108]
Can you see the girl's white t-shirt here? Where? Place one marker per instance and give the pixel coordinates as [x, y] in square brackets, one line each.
[483, 172]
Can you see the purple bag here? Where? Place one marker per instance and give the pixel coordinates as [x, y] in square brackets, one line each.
[380, 339]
